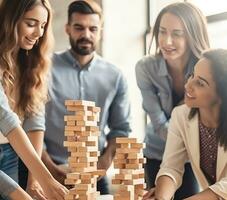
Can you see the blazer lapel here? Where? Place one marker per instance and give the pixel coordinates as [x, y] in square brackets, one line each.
[221, 161]
[194, 148]
[193, 140]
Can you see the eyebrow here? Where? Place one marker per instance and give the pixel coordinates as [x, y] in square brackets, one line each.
[204, 80]
[175, 30]
[33, 19]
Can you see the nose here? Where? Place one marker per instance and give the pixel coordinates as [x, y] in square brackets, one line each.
[169, 40]
[39, 31]
[188, 85]
[86, 33]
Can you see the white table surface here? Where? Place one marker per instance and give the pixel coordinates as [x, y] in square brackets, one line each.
[105, 197]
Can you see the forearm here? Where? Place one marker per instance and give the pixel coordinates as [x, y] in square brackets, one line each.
[36, 139]
[26, 152]
[19, 194]
[165, 188]
[207, 194]
[48, 161]
[110, 149]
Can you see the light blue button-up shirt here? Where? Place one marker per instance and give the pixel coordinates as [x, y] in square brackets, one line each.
[155, 84]
[100, 82]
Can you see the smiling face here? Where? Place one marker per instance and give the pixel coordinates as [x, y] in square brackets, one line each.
[200, 89]
[172, 38]
[31, 27]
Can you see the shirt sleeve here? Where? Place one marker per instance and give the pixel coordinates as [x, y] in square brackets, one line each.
[220, 188]
[8, 119]
[175, 155]
[35, 122]
[151, 99]
[119, 113]
[7, 184]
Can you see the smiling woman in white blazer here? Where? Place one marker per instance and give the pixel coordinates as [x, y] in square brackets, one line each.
[205, 112]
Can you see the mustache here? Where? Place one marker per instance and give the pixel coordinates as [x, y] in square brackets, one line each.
[82, 40]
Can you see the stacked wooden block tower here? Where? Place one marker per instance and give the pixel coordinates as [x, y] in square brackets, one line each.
[129, 161]
[82, 133]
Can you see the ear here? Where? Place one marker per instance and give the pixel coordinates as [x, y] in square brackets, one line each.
[100, 34]
[67, 29]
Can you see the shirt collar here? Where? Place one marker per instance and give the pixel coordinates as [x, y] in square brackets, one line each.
[76, 64]
[163, 71]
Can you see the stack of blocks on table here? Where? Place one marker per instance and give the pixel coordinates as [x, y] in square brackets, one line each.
[82, 133]
[129, 161]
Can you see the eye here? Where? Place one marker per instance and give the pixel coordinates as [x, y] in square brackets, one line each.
[93, 29]
[199, 83]
[162, 32]
[30, 24]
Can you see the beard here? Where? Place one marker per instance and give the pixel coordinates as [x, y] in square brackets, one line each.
[78, 48]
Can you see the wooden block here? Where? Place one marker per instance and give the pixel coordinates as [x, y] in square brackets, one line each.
[93, 118]
[119, 166]
[84, 113]
[131, 171]
[133, 182]
[87, 138]
[74, 117]
[86, 123]
[87, 149]
[73, 176]
[126, 140]
[99, 172]
[87, 133]
[75, 128]
[134, 155]
[124, 145]
[74, 144]
[123, 176]
[70, 123]
[132, 166]
[69, 133]
[138, 145]
[120, 156]
[116, 181]
[79, 102]
[87, 169]
[77, 108]
[94, 109]
[120, 161]
[79, 154]
[128, 150]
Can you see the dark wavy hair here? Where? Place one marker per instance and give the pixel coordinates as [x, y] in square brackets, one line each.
[218, 59]
[84, 7]
[24, 73]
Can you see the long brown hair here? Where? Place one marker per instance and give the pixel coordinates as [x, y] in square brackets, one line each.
[24, 73]
[218, 59]
[194, 23]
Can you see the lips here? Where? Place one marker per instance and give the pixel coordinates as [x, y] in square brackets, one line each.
[31, 41]
[168, 50]
[189, 96]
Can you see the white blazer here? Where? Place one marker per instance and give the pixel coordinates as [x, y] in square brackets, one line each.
[183, 145]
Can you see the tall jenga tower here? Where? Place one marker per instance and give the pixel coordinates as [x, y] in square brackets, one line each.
[82, 134]
[129, 161]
